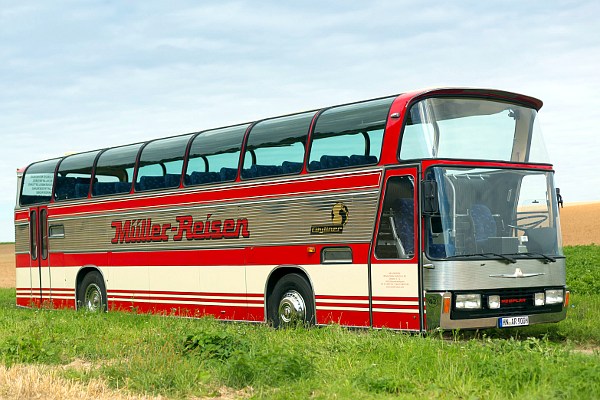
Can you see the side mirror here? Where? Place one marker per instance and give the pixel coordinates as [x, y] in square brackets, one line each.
[429, 191]
[559, 198]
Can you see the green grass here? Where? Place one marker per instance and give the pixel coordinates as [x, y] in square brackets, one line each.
[178, 357]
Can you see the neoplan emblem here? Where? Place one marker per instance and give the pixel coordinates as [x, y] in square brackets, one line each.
[339, 218]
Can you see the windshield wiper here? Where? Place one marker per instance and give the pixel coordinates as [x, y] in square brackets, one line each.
[546, 258]
[487, 255]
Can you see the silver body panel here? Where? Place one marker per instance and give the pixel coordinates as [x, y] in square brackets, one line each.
[484, 274]
[282, 221]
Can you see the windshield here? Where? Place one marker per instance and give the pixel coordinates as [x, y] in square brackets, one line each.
[493, 212]
[473, 129]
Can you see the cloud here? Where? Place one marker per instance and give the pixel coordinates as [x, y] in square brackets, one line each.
[77, 76]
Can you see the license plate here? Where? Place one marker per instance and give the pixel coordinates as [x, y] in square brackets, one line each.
[513, 321]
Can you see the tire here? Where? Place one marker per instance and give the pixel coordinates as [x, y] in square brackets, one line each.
[91, 294]
[291, 303]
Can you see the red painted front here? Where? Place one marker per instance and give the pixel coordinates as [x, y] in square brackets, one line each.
[395, 282]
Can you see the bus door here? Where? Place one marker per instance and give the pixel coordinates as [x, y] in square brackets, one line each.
[395, 254]
[38, 254]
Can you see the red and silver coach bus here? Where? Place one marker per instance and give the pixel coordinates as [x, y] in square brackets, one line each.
[424, 210]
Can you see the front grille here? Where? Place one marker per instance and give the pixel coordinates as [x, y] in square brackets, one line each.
[512, 302]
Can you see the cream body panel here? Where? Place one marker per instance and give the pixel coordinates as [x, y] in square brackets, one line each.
[395, 280]
[325, 279]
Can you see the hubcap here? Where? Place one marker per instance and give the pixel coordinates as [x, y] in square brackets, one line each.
[93, 298]
[292, 308]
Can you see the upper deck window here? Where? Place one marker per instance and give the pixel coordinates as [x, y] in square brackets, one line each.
[37, 183]
[114, 170]
[277, 146]
[474, 129]
[215, 156]
[350, 135]
[161, 163]
[74, 176]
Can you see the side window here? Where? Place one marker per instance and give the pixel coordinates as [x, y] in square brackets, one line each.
[349, 136]
[114, 170]
[74, 176]
[161, 163]
[33, 235]
[44, 232]
[277, 146]
[37, 184]
[396, 235]
[215, 156]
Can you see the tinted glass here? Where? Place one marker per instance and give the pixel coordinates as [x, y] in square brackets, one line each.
[33, 235]
[161, 163]
[114, 170]
[486, 213]
[277, 146]
[215, 156]
[473, 129]
[74, 176]
[349, 136]
[37, 183]
[44, 232]
[396, 236]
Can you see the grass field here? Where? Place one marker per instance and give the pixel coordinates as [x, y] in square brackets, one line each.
[119, 355]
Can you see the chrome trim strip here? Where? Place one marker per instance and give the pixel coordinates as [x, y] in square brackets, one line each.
[437, 320]
[517, 274]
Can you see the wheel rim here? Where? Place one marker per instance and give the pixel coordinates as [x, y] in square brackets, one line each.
[292, 308]
[93, 298]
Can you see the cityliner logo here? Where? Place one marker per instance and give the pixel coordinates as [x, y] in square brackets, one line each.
[339, 218]
[185, 227]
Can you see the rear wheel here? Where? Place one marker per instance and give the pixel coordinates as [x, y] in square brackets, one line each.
[91, 294]
[291, 302]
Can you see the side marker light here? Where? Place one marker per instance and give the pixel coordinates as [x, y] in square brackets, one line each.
[446, 309]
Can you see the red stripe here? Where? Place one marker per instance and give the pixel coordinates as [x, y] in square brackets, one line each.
[185, 293]
[343, 317]
[343, 305]
[265, 255]
[47, 289]
[190, 299]
[408, 321]
[335, 297]
[483, 164]
[395, 306]
[384, 298]
[234, 193]
[22, 216]
[191, 310]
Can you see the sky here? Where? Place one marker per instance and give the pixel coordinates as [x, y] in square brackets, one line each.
[84, 75]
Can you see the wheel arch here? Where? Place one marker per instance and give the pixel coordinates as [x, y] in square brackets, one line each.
[83, 271]
[278, 273]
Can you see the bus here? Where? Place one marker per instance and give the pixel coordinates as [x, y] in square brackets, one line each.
[431, 209]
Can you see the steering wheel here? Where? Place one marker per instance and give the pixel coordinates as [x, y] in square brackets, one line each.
[528, 221]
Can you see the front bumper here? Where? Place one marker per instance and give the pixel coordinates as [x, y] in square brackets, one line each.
[439, 319]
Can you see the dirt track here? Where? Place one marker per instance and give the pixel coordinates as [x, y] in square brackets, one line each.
[7, 265]
[580, 224]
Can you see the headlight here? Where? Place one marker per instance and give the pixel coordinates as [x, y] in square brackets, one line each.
[539, 299]
[468, 301]
[554, 296]
[493, 302]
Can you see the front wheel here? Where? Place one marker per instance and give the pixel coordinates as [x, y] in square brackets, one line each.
[91, 294]
[291, 302]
